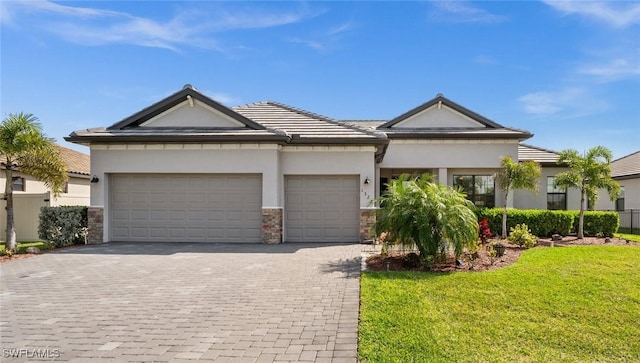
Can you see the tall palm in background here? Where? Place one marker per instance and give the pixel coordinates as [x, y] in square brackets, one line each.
[589, 172]
[24, 147]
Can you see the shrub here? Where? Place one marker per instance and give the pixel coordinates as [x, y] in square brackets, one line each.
[541, 222]
[521, 235]
[63, 226]
[485, 231]
[598, 223]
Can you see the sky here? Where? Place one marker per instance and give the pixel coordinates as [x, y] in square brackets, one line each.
[567, 71]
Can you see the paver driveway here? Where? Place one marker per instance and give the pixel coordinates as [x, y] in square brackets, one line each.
[173, 302]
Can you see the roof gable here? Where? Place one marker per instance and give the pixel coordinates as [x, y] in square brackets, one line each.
[440, 112]
[186, 108]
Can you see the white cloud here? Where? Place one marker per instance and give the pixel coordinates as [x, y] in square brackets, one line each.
[615, 13]
[569, 102]
[462, 12]
[92, 26]
[615, 69]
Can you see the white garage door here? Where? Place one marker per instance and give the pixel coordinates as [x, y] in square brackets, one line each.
[322, 208]
[186, 207]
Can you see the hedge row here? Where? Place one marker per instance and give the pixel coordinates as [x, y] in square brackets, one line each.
[63, 226]
[547, 222]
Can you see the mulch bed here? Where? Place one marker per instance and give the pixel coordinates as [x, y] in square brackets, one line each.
[20, 256]
[396, 261]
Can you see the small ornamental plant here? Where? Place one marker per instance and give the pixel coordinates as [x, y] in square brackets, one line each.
[485, 231]
[521, 235]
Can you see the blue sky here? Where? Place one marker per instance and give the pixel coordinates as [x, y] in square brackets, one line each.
[569, 72]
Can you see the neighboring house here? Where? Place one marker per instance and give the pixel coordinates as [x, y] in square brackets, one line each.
[188, 169]
[30, 194]
[626, 171]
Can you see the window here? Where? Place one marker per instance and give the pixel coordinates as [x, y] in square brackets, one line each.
[18, 184]
[65, 188]
[620, 200]
[479, 189]
[556, 197]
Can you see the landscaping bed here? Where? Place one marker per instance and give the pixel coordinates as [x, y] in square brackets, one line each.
[396, 261]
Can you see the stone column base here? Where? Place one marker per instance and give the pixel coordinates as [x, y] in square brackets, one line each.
[367, 220]
[271, 225]
[95, 222]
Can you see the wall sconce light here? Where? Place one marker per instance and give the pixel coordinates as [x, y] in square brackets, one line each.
[366, 180]
[94, 179]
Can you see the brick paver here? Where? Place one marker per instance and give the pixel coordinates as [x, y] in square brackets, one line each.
[180, 302]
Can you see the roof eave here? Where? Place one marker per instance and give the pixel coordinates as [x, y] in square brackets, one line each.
[172, 139]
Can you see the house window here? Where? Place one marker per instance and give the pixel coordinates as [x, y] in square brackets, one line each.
[620, 200]
[18, 184]
[480, 189]
[65, 188]
[556, 197]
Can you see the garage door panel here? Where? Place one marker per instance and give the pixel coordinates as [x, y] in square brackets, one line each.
[186, 208]
[322, 208]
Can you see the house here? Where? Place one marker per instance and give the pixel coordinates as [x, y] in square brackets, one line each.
[30, 194]
[626, 171]
[188, 169]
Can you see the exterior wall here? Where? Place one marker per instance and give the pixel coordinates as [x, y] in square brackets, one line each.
[184, 158]
[367, 220]
[524, 199]
[420, 153]
[199, 115]
[95, 220]
[631, 193]
[272, 225]
[270, 160]
[331, 160]
[438, 117]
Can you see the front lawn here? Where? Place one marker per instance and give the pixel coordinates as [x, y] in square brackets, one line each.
[628, 237]
[569, 304]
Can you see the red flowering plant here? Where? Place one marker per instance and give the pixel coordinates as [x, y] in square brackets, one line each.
[484, 230]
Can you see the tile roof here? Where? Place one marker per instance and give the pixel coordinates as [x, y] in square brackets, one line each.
[164, 134]
[364, 124]
[627, 166]
[537, 154]
[75, 161]
[304, 126]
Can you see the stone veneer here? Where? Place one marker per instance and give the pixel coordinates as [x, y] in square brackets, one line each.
[271, 225]
[367, 220]
[95, 219]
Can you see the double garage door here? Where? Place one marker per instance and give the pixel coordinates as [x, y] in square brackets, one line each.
[228, 208]
[186, 208]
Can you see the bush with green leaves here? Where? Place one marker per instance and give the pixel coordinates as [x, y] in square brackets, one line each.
[521, 235]
[541, 222]
[433, 217]
[63, 226]
[597, 223]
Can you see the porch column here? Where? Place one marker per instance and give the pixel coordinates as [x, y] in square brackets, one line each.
[442, 176]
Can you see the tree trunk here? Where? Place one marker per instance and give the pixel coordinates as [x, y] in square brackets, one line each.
[504, 214]
[581, 216]
[8, 195]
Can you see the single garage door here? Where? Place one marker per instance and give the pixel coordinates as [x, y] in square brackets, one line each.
[186, 207]
[322, 208]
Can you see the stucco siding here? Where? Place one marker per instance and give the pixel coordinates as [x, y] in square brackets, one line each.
[438, 117]
[198, 115]
[631, 193]
[360, 162]
[448, 153]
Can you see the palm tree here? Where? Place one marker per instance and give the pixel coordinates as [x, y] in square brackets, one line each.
[24, 147]
[514, 175]
[417, 211]
[589, 172]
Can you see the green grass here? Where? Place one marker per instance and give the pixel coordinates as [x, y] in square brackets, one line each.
[569, 304]
[22, 246]
[629, 237]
